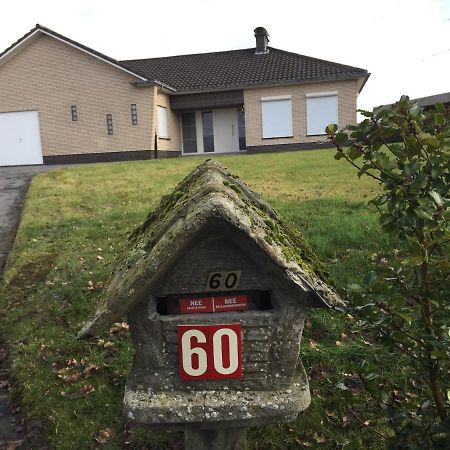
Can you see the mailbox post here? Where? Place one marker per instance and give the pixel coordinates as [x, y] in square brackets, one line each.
[215, 285]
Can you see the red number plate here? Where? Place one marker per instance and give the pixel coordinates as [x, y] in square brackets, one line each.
[210, 352]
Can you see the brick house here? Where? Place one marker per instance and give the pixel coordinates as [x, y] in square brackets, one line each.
[61, 101]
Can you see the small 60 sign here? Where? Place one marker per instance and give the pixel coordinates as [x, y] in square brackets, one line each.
[223, 281]
[210, 352]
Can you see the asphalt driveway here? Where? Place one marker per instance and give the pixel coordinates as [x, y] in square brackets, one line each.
[14, 183]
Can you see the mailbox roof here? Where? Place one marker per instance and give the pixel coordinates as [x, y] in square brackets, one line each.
[209, 192]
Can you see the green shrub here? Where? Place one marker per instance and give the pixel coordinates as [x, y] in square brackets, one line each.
[405, 303]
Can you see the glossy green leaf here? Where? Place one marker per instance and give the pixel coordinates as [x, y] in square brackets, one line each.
[420, 212]
[436, 197]
[429, 140]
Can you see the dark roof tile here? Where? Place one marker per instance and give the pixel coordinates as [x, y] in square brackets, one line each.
[239, 68]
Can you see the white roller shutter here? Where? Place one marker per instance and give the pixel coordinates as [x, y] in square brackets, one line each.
[276, 116]
[321, 110]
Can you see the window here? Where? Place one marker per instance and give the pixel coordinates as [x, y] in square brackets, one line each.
[109, 124]
[241, 130]
[162, 122]
[276, 116]
[73, 110]
[321, 110]
[208, 131]
[189, 132]
[133, 114]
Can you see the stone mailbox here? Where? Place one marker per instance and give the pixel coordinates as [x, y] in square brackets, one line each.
[215, 285]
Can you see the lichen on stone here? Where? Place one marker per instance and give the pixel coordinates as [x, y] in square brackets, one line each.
[208, 192]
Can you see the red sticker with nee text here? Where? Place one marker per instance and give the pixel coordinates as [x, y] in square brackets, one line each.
[220, 303]
[196, 305]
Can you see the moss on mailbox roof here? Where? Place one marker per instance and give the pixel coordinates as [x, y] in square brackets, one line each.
[210, 191]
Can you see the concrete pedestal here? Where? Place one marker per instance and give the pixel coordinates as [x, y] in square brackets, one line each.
[215, 439]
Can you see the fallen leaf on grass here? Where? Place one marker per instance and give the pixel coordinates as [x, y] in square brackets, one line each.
[86, 389]
[319, 438]
[105, 435]
[75, 371]
[345, 421]
[119, 327]
[367, 342]
[10, 445]
[92, 286]
[71, 376]
[316, 393]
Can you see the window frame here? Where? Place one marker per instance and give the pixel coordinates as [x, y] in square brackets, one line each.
[270, 134]
[313, 95]
[161, 135]
[134, 117]
[74, 113]
[109, 124]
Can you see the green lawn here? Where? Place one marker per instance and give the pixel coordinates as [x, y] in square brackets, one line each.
[74, 224]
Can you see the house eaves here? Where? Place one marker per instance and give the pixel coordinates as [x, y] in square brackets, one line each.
[154, 83]
[256, 85]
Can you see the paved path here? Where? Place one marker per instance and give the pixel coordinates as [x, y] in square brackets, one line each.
[14, 182]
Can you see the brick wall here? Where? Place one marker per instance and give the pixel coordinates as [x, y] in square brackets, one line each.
[347, 94]
[50, 76]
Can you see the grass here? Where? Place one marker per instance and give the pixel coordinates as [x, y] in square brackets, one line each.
[75, 222]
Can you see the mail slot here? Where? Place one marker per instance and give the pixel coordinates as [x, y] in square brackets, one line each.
[216, 285]
[198, 303]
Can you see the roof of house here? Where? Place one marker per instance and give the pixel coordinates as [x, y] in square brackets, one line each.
[240, 68]
[431, 100]
[424, 102]
[209, 193]
[218, 70]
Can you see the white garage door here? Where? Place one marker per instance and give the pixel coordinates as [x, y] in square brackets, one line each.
[20, 140]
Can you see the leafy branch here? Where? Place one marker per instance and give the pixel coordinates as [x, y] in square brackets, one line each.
[407, 151]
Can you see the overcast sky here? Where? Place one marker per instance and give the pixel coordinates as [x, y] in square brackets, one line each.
[405, 44]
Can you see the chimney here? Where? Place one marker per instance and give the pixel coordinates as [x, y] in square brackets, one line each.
[262, 41]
